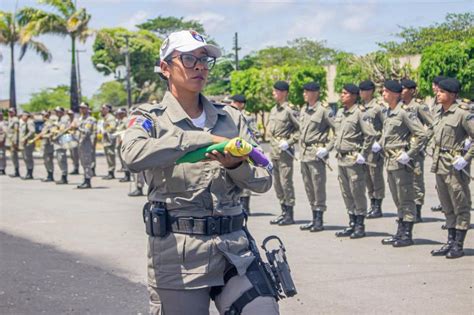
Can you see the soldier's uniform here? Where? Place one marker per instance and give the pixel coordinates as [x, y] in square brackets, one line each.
[13, 141]
[87, 129]
[454, 126]
[74, 152]
[316, 123]
[62, 127]
[283, 126]
[108, 139]
[121, 127]
[27, 134]
[354, 136]
[48, 148]
[3, 148]
[403, 134]
[138, 183]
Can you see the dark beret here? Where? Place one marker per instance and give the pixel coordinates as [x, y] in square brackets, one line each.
[451, 85]
[312, 86]
[408, 84]
[238, 98]
[351, 88]
[439, 78]
[393, 86]
[366, 85]
[281, 86]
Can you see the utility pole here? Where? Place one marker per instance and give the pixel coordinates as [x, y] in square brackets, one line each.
[127, 65]
[236, 49]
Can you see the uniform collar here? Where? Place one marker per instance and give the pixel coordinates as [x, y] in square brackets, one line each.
[350, 110]
[370, 103]
[453, 107]
[391, 112]
[312, 108]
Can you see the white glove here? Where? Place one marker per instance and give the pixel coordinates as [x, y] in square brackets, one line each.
[283, 145]
[376, 147]
[403, 158]
[459, 162]
[322, 153]
[360, 159]
[467, 144]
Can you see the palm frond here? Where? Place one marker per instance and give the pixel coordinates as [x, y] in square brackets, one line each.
[38, 47]
[65, 7]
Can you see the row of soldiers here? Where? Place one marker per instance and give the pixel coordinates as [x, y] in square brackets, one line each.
[368, 135]
[61, 132]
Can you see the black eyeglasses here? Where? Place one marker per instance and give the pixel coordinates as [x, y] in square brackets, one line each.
[189, 61]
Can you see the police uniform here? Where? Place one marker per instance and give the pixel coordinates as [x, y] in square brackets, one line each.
[137, 185]
[13, 141]
[316, 124]
[121, 127]
[27, 133]
[455, 125]
[108, 130]
[63, 127]
[74, 151]
[354, 138]
[87, 129]
[48, 148]
[3, 149]
[283, 126]
[404, 137]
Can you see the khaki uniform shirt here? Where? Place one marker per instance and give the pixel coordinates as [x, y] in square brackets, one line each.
[402, 131]
[48, 127]
[316, 123]
[13, 131]
[109, 127]
[282, 125]
[87, 129]
[59, 130]
[27, 132]
[121, 127]
[3, 132]
[354, 134]
[376, 110]
[157, 136]
[454, 126]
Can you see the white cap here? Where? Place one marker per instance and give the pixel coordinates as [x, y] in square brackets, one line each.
[186, 41]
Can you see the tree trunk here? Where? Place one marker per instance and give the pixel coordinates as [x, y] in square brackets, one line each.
[73, 88]
[264, 126]
[12, 77]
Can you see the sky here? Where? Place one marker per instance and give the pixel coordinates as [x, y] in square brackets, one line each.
[353, 26]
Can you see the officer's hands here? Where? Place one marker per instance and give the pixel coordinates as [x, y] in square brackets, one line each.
[459, 163]
[227, 160]
[322, 153]
[360, 159]
[376, 147]
[467, 144]
[403, 158]
[283, 145]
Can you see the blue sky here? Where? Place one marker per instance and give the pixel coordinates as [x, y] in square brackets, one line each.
[354, 26]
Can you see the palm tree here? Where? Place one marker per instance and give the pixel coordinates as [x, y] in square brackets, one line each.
[10, 35]
[68, 21]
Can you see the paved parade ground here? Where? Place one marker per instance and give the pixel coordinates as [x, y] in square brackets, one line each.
[67, 251]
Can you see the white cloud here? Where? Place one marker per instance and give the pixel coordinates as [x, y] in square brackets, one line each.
[211, 21]
[137, 18]
[357, 17]
[311, 25]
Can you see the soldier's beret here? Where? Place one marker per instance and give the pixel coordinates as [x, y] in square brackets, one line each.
[366, 85]
[351, 88]
[393, 86]
[311, 86]
[408, 84]
[451, 85]
[238, 98]
[281, 86]
[59, 109]
[439, 78]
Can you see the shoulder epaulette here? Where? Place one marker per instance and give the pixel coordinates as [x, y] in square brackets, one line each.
[464, 106]
[362, 108]
[404, 106]
[325, 104]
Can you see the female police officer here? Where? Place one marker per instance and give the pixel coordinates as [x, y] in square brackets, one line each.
[201, 251]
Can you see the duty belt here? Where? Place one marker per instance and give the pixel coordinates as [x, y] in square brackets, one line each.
[309, 145]
[206, 225]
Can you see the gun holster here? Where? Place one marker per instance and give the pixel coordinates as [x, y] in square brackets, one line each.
[155, 217]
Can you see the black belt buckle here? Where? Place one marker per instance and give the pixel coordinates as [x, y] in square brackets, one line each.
[213, 226]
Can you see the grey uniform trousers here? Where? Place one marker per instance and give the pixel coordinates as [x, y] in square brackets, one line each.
[86, 156]
[419, 181]
[28, 155]
[283, 179]
[109, 152]
[15, 157]
[3, 158]
[48, 158]
[61, 157]
[314, 179]
[75, 157]
[400, 182]
[375, 181]
[352, 180]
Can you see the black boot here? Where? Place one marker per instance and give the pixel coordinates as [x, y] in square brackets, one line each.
[280, 217]
[126, 177]
[49, 178]
[29, 174]
[63, 180]
[394, 238]
[456, 251]
[136, 193]
[308, 226]
[407, 236]
[436, 208]
[418, 214]
[75, 172]
[16, 174]
[350, 229]
[318, 222]
[245, 202]
[446, 247]
[93, 172]
[288, 218]
[86, 184]
[376, 211]
[2, 172]
[359, 229]
[109, 176]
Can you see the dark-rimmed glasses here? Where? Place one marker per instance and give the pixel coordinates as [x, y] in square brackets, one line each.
[189, 61]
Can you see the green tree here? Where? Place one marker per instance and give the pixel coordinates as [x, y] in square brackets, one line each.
[112, 92]
[48, 98]
[219, 77]
[453, 59]
[11, 28]
[163, 26]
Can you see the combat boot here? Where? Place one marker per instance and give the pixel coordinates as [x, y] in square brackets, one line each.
[75, 172]
[245, 202]
[376, 211]
[394, 238]
[407, 236]
[418, 218]
[86, 184]
[372, 205]
[109, 176]
[16, 174]
[136, 193]
[63, 180]
[446, 247]
[350, 229]
[126, 177]
[436, 208]
[318, 222]
[29, 174]
[49, 178]
[456, 251]
[280, 217]
[359, 228]
[308, 226]
[288, 218]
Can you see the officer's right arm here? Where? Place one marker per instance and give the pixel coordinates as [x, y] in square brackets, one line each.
[468, 124]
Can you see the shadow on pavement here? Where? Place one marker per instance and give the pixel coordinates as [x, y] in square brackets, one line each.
[377, 234]
[261, 214]
[427, 220]
[37, 279]
[424, 241]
